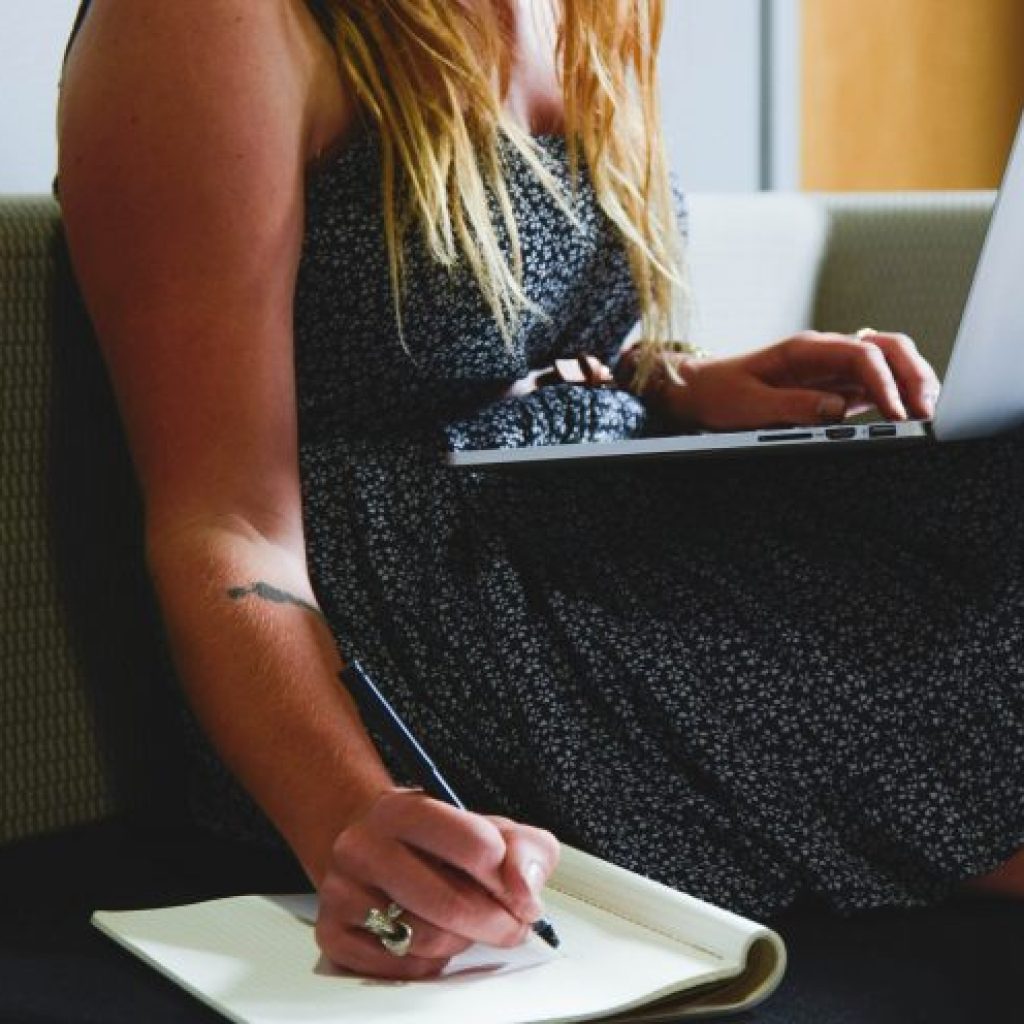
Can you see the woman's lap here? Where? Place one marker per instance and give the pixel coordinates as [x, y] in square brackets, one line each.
[747, 678]
[830, 643]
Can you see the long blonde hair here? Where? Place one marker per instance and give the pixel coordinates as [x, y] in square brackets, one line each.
[432, 76]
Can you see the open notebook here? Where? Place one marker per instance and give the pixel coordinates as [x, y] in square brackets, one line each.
[631, 949]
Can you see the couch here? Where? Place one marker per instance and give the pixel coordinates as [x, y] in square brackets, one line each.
[91, 793]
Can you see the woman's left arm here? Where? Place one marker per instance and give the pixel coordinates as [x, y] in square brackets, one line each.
[806, 379]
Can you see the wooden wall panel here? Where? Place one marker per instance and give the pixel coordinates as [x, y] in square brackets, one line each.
[910, 94]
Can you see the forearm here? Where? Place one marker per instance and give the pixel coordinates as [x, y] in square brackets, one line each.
[259, 667]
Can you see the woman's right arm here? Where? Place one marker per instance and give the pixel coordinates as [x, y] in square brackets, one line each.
[185, 130]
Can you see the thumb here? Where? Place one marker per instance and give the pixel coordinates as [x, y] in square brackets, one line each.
[799, 406]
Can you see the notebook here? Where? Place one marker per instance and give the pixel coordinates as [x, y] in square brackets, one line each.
[631, 950]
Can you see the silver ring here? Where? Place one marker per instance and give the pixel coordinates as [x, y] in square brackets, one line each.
[395, 935]
[866, 332]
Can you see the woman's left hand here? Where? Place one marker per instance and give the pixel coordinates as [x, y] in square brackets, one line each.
[810, 378]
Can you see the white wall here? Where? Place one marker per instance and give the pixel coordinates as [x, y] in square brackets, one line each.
[731, 78]
[711, 92]
[784, 102]
[32, 38]
[712, 71]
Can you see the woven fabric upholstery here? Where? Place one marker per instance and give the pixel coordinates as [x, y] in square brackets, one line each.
[902, 262]
[88, 713]
[52, 771]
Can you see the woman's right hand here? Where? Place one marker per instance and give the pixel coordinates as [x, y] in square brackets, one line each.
[460, 877]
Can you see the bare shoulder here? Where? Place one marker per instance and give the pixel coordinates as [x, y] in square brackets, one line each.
[243, 63]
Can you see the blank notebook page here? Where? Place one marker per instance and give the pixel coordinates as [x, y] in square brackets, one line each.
[255, 960]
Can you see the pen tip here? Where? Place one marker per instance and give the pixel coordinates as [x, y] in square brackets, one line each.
[544, 929]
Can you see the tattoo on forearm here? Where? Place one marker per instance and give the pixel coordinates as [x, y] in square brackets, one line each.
[268, 593]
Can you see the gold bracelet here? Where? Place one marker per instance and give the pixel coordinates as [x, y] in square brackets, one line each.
[685, 348]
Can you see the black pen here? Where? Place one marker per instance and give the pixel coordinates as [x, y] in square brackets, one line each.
[374, 707]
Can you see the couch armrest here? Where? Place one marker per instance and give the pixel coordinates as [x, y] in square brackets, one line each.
[902, 262]
[83, 732]
[52, 772]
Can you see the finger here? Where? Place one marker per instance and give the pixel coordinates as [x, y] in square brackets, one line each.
[532, 856]
[453, 836]
[356, 950]
[794, 406]
[857, 409]
[818, 357]
[447, 899]
[348, 902]
[915, 377]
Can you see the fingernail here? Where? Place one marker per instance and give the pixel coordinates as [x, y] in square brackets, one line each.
[832, 408]
[534, 877]
[531, 907]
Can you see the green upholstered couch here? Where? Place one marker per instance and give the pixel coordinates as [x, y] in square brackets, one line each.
[86, 715]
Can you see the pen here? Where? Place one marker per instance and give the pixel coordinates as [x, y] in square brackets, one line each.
[375, 707]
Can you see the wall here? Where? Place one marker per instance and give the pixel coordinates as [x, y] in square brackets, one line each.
[712, 70]
[910, 94]
[711, 85]
[32, 38]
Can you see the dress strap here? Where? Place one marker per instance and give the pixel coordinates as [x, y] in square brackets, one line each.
[83, 9]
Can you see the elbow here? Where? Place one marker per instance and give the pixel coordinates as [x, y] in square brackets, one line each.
[230, 541]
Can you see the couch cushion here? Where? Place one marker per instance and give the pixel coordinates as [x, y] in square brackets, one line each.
[754, 262]
[902, 262]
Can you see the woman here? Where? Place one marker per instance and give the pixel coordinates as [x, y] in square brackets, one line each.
[321, 242]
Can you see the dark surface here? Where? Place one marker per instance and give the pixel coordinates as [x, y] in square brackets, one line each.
[960, 963]
[956, 964]
[55, 967]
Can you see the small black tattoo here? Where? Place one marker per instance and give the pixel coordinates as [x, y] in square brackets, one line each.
[269, 593]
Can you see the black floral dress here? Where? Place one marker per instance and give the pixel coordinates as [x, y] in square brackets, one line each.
[749, 679]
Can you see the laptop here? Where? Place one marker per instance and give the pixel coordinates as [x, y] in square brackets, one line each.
[982, 394]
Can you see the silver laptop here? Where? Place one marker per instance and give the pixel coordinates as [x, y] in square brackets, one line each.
[983, 393]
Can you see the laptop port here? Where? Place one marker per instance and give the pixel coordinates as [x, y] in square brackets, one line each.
[882, 430]
[840, 433]
[790, 436]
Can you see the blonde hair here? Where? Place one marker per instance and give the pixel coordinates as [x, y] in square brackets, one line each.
[432, 76]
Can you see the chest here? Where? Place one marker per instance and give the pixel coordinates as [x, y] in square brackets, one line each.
[359, 368]
[534, 97]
